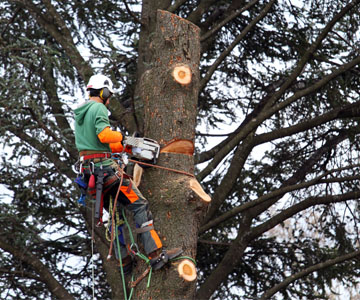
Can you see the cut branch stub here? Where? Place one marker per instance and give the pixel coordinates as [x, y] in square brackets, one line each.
[137, 173]
[187, 270]
[197, 188]
[182, 74]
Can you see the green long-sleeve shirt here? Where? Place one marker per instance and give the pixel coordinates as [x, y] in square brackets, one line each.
[90, 119]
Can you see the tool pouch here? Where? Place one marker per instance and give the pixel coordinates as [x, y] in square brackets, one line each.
[83, 187]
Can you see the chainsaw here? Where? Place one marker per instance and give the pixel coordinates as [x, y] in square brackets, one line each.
[143, 148]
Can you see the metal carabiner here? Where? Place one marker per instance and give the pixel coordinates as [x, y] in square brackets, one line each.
[74, 168]
[77, 167]
[91, 167]
[136, 246]
[81, 170]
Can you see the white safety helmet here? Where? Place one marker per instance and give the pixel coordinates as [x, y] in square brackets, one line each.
[100, 81]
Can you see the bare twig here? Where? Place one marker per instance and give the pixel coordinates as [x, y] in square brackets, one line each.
[10, 21]
[346, 41]
[218, 26]
[176, 5]
[227, 51]
[136, 19]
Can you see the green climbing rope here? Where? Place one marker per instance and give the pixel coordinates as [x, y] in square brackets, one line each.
[184, 257]
[120, 261]
[137, 253]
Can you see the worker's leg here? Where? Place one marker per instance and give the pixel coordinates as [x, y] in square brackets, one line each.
[136, 203]
[119, 242]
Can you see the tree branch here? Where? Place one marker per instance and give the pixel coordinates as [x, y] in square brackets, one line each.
[214, 243]
[277, 193]
[175, 6]
[303, 205]
[20, 274]
[50, 88]
[207, 155]
[61, 34]
[236, 250]
[62, 167]
[304, 169]
[196, 15]
[237, 40]
[244, 236]
[349, 111]
[307, 55]
[136, 19]
[233, 140]
[54, 286]
[307, 271]
[269, 111]
[232, 16]
[230, 259]
[10, 21]
[51, 133]
[231, 176]
[239, 209]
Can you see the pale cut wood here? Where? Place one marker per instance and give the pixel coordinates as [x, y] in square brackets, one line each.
[182, 74]
[180, 146]
[137, 173]
[197, 188]
[187, 270]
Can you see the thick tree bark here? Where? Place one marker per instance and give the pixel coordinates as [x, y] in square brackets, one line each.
[170, 112]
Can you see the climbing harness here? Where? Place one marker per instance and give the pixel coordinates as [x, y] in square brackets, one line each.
[98, 189]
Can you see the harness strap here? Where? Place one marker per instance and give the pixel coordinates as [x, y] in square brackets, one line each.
[110, 180]
[144, 229]
[99, 194]
[129, 187]
[107, 184]
[94, 155]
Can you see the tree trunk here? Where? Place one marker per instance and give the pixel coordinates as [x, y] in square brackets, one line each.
[170, 111]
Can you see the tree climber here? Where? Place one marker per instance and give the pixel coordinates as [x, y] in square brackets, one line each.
[95, 142]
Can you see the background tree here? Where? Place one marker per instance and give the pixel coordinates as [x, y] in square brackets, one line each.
[276, 143]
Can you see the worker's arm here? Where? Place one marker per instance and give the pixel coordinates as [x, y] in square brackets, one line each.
[108, 136]
[113, 138]
[116, 147]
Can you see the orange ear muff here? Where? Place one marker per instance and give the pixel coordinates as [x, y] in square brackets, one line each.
[105, 93]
